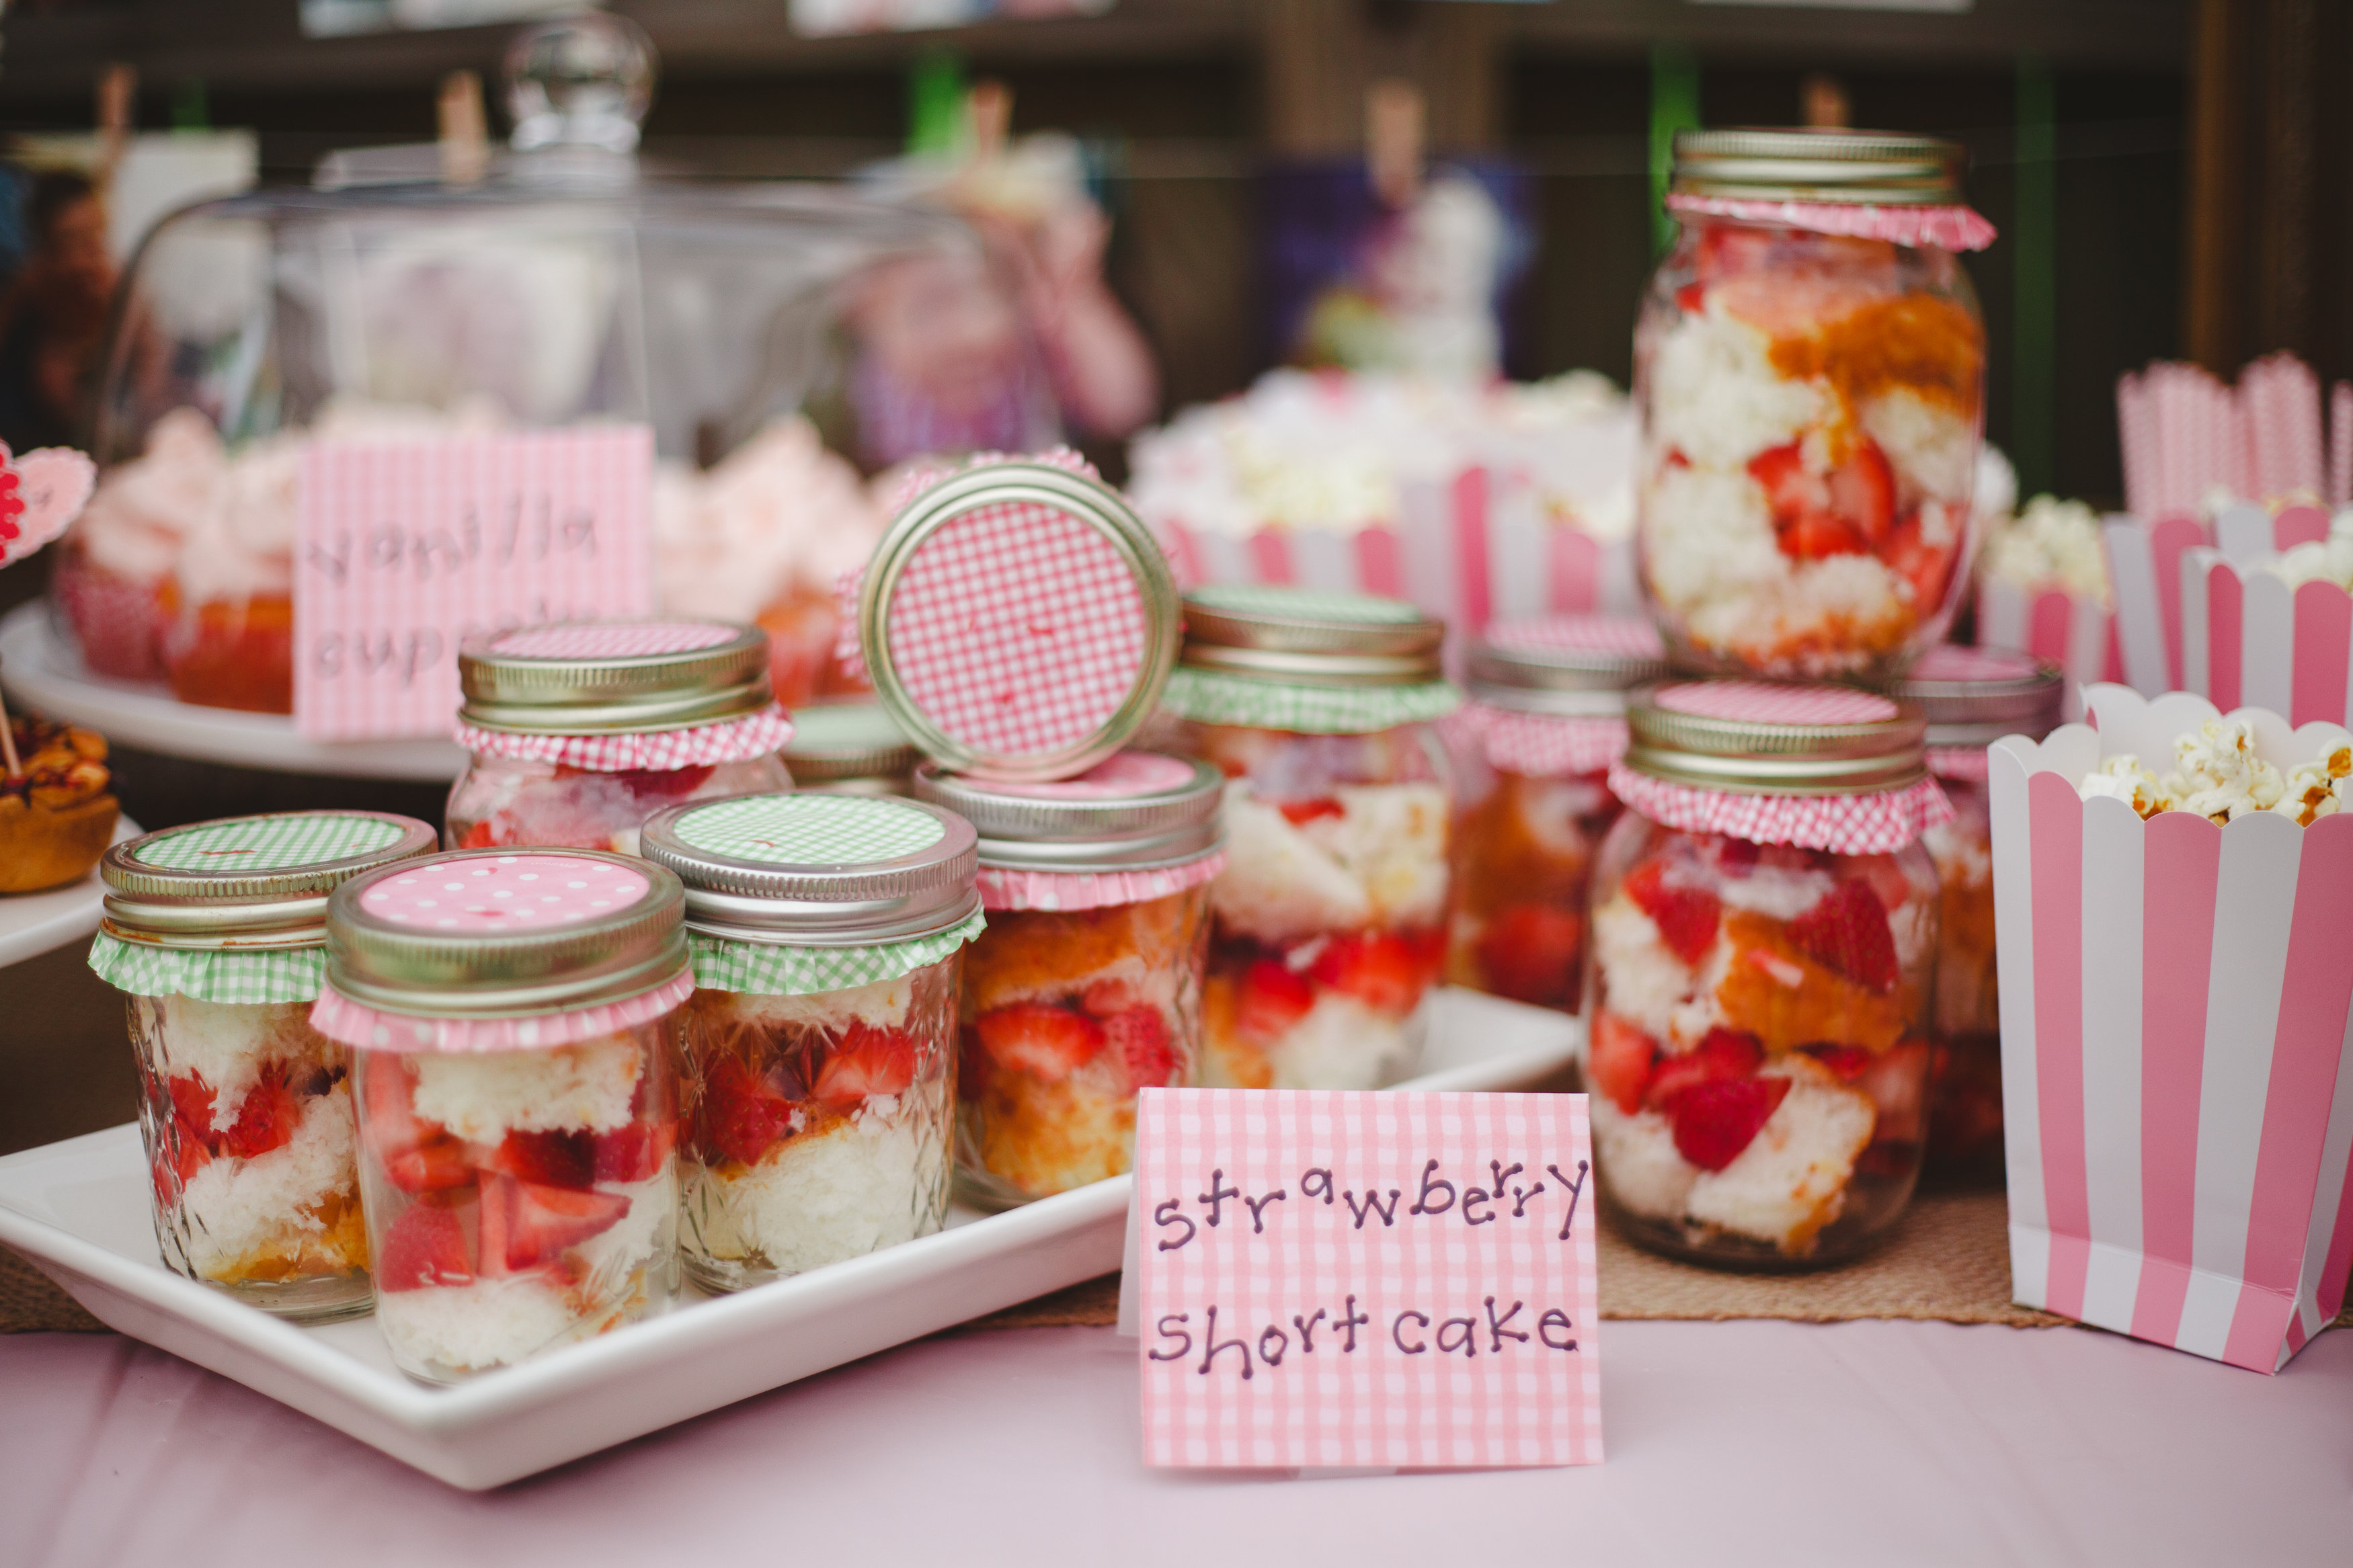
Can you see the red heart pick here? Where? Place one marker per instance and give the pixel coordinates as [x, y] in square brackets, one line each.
[40, 493]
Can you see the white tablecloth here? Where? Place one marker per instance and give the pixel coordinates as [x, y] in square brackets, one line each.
[1730, 1446]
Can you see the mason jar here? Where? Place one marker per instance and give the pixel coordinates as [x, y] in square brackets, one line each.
[1971, 697]
[1086, 986]
[1330, 921]
[817, 1054]
[216, 933]
[1764, 940]
[505, 1010]
[850, 748]
[1810, 371]
[1547, 718]
[580, 731]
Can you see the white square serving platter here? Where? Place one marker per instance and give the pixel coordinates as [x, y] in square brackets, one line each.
[79, 1210]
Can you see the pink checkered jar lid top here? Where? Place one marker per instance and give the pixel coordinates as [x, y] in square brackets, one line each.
[1135, 811]
[481, 934]
[1019, 621]
[1972, 697]
[609, 677]
[1575, 667]
[1755, 737]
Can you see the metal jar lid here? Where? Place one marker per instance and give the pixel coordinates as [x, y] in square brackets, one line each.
[1972, 697]
[601, 678]
[1571, 667]
[1310, 637]
[475, 954]
[247, 882]
[1019, 621]
[836, 740]
[818, 870]
[1140, 811]
[1755, 737]
[1884, 168]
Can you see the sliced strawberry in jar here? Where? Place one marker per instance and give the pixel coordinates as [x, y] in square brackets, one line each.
[1847, 1061]
[552, 1159]
[542, 1222]
[633, 1151]
[1927, 567]
[1686, 917]
[1530, 952]
[741, 1115]
[867, 1061]
[417, 1156]
[1299, 813]
[265, 1120]
[1618, 1066]
[971, 1065]
[1105, 997]
[1862, 492]
[1715, 1121]
[423, 1246]
[661, 783]
[1269, 1002]
[1381, 969]
[1141, 1037]
[1047, 1043]
[1845, 511]
[1846, 930]
[192, 1103]
[1721, 1054]
[481, 835]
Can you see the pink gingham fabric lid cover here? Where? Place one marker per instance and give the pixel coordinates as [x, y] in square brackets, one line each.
[502, 950]
[1822, 767]
[1019, 620]
[1549, 695]
[1972, 697]
[1139, 825]
[1945, 228]
[622, 696]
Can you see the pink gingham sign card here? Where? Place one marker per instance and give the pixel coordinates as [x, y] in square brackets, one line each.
[409, 547]
[1333, 1279]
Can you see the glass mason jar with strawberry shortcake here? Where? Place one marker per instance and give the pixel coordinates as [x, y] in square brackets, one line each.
[1809, 367]
[217, 932]
[1764, 940]
[505, 1011]
[580, 731]
[816, 1056]
[1971, 697]
[1532, 751]
[1330, 921]
[1086, 986]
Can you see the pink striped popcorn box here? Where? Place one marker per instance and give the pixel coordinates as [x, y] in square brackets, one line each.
[2075, 632]
[1329, 1280]
[1471, 550]
[2250, 639]
[2151, 567]
[2177, 1066]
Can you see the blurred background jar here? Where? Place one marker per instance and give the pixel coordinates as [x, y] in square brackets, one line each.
[217, 934]
[1331, 918]
[1809, 366]
[1086, 986]
[1971, 697]
[517, 1113]
[580, 731]
[1763, 945]
[1531, 752]
[816, 1056]
[849, 748]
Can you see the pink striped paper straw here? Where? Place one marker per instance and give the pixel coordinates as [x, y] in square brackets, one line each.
[2340, 443]
[2133, 441]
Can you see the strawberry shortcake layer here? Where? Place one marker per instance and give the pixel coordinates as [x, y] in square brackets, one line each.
[1754, 1061]
[1066, 1013]
[820, 1125]
[1331, 924]
[255, 1171]
[523, 1198]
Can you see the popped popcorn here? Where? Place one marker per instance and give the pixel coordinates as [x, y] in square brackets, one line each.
[2219, 775]
[2052, 543]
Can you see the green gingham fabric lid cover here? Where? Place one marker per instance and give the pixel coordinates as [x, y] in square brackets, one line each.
[810, 848]
[1360, 630]
[243, 858]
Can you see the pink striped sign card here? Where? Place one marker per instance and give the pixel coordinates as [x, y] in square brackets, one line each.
[1328, 1281]
[406, 547]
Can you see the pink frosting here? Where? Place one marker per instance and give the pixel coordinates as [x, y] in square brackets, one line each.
[779, 513]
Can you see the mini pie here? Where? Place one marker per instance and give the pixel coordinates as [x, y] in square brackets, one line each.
[57, 815]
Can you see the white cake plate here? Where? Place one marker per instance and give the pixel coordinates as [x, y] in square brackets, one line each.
[41, 670]
[79, 1210]
[34, 923]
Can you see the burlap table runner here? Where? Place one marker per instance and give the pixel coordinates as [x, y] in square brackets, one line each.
[1949, 1262]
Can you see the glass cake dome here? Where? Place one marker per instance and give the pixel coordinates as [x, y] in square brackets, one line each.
[787, 344]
